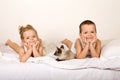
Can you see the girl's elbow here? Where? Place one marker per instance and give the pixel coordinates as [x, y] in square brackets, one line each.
[97, 56]
[22, 60]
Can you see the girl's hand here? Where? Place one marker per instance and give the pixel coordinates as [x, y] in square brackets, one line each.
[27, 45]
[36, 44]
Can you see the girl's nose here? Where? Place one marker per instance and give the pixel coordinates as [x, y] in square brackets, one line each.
[89, 34]
[31, 38]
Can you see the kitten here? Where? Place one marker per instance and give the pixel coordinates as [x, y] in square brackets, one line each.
[63, 54]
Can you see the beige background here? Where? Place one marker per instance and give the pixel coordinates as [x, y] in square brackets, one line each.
[58, 19]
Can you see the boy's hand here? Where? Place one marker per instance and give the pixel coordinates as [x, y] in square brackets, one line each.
[84, 39]
[93, 41]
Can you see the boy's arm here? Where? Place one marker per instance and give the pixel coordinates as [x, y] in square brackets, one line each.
[95, 51]
[81, 53]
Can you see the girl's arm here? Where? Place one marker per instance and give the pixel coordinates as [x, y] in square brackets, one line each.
[38, 52]
[24, 56]
[81, 53]
[95, 51]
[13, 45]
[20, 50]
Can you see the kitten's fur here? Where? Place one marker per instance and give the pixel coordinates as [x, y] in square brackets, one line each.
[63, 54]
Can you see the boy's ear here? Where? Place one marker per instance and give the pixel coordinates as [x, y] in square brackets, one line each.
[62, 46]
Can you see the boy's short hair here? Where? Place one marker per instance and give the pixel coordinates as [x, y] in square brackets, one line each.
[86, 22]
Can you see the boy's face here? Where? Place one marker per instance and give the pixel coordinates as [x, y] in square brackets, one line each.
[88, 32]
[30, 37]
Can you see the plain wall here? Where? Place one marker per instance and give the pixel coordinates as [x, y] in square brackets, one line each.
[58, 19]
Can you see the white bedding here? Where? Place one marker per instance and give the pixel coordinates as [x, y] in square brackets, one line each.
[47, 68]
[10, 70]
[75, 64]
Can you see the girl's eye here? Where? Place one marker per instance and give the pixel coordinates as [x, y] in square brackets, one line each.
[27, 38]
[34, 36]
[85, 33]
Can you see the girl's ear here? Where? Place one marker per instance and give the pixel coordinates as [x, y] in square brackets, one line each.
[80, 34]
[22, 43]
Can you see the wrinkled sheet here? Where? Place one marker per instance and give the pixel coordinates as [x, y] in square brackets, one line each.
[47, 68]
[109, 64]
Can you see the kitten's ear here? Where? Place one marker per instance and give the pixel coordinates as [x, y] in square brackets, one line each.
[62, 46]
[57, 48]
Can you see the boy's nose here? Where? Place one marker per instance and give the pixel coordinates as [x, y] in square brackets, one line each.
[89, 34]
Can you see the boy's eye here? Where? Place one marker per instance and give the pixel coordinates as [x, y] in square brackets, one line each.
[92, 32]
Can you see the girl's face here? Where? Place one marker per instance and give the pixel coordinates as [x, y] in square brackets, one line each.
[30, 37]
[88, 32]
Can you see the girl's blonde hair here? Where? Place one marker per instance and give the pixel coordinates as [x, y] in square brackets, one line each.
[22, 29]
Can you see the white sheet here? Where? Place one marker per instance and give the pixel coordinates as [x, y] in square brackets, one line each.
[47, 68]
[10, 70]
[24, 71]
[109, 64]
[113, 64]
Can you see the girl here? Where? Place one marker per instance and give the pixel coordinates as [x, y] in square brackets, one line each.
[89, 45]
[31, 44]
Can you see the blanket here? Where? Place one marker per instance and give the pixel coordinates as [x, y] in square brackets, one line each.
[108, 64]
[73, 64]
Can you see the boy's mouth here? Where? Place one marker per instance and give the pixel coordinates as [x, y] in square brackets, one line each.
[89, 39]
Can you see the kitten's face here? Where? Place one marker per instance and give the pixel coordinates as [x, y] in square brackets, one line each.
[59, 51]
[63, 54]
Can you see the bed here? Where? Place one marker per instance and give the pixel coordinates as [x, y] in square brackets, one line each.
[107, 67]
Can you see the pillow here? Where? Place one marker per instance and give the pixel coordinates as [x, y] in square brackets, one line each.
[106, 41]
[111, 49]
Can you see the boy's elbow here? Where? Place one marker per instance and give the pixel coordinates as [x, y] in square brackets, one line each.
[80, 57]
